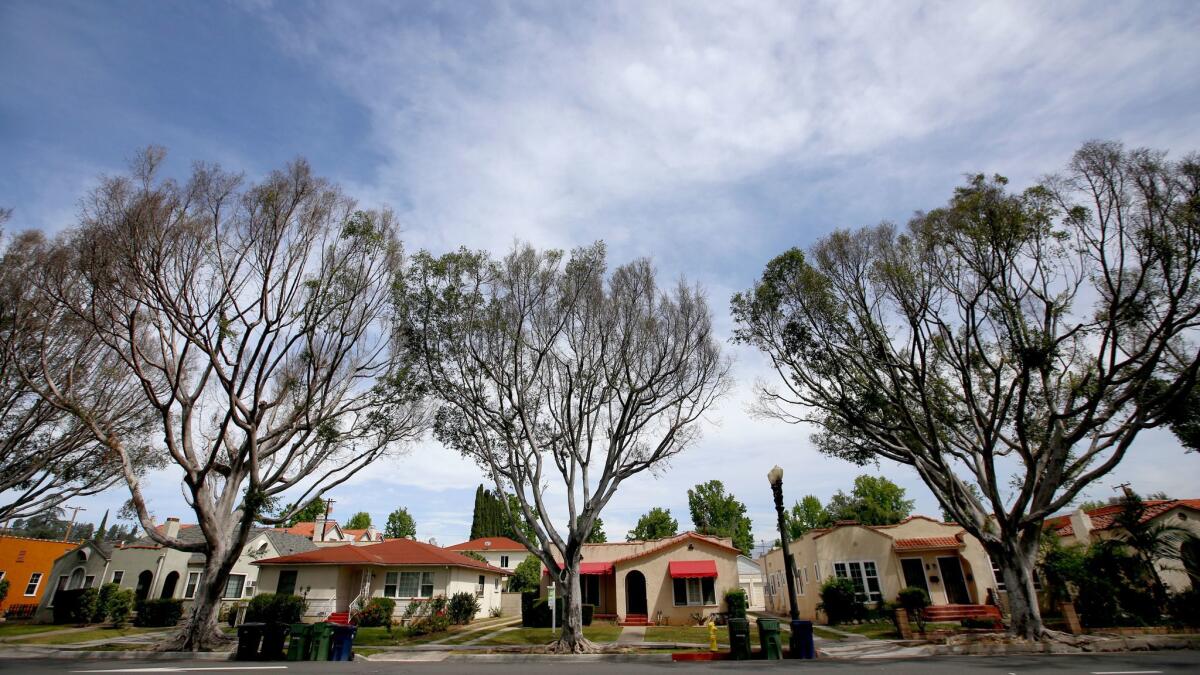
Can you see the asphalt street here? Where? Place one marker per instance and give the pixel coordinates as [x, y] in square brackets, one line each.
[1141, 663]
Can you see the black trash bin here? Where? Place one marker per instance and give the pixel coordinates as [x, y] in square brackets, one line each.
[273, 639]
[342, 648]
[739, 639]
[250, 637]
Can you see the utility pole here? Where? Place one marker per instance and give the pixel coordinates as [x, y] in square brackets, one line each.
[71, 525]
[1124, 487]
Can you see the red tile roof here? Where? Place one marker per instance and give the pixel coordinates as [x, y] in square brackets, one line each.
[391, 553]
[306, 529]
[1105, 517]
[678, 539]
[488, 544]
[926, 543]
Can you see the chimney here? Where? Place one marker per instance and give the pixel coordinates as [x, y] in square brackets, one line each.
[171, 527]
[319, 529]
[1081, 523]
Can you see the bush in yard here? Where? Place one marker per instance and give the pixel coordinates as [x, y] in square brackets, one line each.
[276, 608]
[588, 611]
[119, 607]
[76, 606]
[840, 602]
[974, 623]
[496, 612]
[159, 612]
[106, 593]
[427, 616]
[377, 612]
[3, 590]
[735, 603]
[462, 608]
[914, 601]
[1185, 607]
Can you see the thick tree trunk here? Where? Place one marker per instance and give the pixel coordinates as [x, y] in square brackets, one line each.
[572, 640]
[1017, 557]
[200, 632]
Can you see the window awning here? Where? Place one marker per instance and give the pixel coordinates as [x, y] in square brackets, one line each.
[692, 569]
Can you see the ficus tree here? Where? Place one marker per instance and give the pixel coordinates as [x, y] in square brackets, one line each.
[560, 378]
[253, 321]
[657, 523]
[1017, 341]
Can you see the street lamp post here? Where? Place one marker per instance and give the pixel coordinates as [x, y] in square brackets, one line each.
[800, 642]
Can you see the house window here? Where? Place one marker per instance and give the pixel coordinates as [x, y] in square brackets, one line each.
[998, 576]
[234, 587]
[287, 582]
[89, 580]
[504, 561]
[35, 580]
[695, 592]
[193, 581]
[62, 584]
[479, 587]
[589, 584]
[118, 576]
[408, 585]
[817, 572]
[865, 577]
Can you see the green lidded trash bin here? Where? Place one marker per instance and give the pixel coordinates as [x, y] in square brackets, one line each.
[739, 639]
[298, 646]
[768, 637]
[320, 642]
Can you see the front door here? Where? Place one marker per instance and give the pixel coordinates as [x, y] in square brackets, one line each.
[635, 593]
[914, 573]
[953, 581]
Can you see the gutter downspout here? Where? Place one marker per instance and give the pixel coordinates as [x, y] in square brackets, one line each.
[157, 576]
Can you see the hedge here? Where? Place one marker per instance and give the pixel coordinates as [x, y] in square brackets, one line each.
[159, 612]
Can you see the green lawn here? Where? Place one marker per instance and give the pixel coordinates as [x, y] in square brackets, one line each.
[827, 634]
[16, 630]
[378, 636]
[877, 630]
[692, 634]
[597, 632]
[90, 634]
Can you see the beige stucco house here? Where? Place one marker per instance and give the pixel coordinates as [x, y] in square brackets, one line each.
[500, 552]
[942, 558]
[334, 579]
[672, 581]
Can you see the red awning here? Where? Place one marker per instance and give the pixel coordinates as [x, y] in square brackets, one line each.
[681, 569]
[598, 568]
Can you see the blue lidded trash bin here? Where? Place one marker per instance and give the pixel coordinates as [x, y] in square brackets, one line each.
[801, 644]
[342, 647]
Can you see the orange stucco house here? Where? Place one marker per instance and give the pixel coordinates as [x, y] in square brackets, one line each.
[26, 564]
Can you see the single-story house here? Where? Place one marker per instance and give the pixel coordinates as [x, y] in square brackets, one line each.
[499, 552]
[750, 579]
[674, 581]
[27, 564]
[1083, 527]
[336, 578]
[951, 565]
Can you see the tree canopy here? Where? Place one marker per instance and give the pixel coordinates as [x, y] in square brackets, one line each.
[597, 535]
[358, 521]
[400, 525]
[717, 513]
[875, 500]
[314, 509]
[807, 514]
[656, 523]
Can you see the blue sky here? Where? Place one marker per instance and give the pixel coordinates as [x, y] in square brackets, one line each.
[709, 136]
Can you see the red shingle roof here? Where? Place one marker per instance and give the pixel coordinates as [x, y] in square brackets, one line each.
[926, 543]
[1105, 517]
[306, 529]
[488, 544]
[391, 553]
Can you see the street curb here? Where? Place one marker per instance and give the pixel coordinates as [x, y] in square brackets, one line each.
[1109, 645]
[132, 655]
[562, 658]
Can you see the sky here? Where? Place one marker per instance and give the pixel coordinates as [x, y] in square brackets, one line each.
[707, 136]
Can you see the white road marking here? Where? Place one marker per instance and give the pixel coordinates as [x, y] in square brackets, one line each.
[180, 669]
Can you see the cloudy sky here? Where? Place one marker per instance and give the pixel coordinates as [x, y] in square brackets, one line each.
[707, 136]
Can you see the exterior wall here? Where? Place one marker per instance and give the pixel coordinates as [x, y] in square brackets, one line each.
[318, 583]
[514, 558]
[753, 585]
[94, 565]
[659, 586]
[20, 559]
[1170, 571]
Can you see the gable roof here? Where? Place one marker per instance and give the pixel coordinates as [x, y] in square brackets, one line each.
[307, 528]
[1105, 517]
[489, 544]
[390, 553]
[672, 542]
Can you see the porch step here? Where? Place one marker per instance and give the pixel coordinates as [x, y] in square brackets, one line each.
[940, 613]
[338, 617]
[636, 620]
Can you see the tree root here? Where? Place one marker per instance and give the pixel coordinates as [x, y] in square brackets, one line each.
[187, 641]
[581, 646]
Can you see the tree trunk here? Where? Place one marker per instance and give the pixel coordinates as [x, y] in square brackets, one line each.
[1016, 560]
[200, 632]
[572, 640]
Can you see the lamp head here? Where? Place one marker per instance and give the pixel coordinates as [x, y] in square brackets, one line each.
[775, 475]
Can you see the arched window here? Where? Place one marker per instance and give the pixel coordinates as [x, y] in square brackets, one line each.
[76, 579]
[168, 589]
[143, 584]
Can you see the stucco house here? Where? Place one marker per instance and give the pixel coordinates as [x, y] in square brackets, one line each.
[1083, 527]
[27, 565]
[335, 578]
[941, 558]
[750, 579]
[155, 571]
[671, 581]
[499, 552]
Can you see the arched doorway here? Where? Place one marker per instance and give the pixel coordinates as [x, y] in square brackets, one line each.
[635, 593]
[168, 590]
[143, 584]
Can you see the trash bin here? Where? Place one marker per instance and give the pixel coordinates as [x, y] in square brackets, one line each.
[739, 639]
[320, 642]
[273, 639]
[801, 644]
[342, 648]
[768, 637]
[298, 646]
[250, 637]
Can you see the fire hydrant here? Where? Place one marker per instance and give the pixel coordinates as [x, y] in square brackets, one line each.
[712, 635]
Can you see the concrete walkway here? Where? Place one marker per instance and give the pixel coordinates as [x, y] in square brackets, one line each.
[632, 635]
[485, 636]
[489, 629]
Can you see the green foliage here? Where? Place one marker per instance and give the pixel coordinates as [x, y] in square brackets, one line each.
[914, 600]
[359, 521]
[107, 591]
[596, 535]
[1108, 585]
[377, 612]
[840, 602]
[400, 525]
[875, 500]
[3, 589]
[474, 555]
[491, 520]
[535, 611]
[736, 603]
[716, 513]
[527, 576]
[806, 515]
[159, 612]
[656, 523]
[276, 608]
[119, 607]
[313, 510]
[76, 606]
[1184, 607]
[462, 608]
[425, 617]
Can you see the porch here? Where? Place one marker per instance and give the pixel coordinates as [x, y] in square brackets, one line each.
[937, 565]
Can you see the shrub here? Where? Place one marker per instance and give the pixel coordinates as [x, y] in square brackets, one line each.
[496, 612]
[159, 612]
[427, 616]
[527, 577]
[914, 601]
[462, 608]
[119, 607]
[106, 593]
[76, 606]
[735, 603]
[377, 612]
[3, 589]
[840, 602]
[1185, 607]
[970, 622]
[276, 608]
